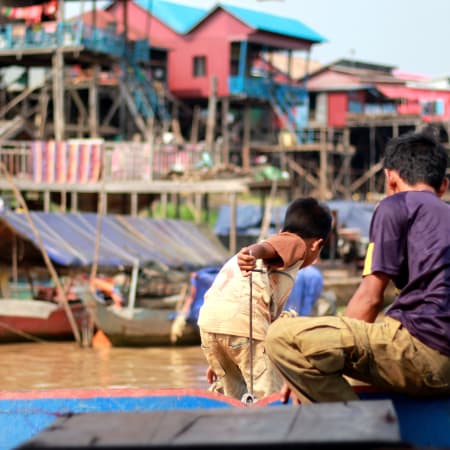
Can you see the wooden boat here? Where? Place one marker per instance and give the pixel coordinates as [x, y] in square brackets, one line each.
[25, 320]
[128, 246]
[378, 421]
[136, 326]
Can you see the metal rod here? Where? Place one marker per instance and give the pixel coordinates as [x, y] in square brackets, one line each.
[251, 333]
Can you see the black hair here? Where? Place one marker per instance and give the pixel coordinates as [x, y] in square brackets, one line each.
[417, 157]
[308, 218]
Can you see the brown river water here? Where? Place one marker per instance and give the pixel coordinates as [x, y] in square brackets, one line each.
[66, 365]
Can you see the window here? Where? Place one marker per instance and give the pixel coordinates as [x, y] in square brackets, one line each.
[199, 66]
[432, 107]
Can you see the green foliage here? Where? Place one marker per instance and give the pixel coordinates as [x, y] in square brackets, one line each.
[185, 213]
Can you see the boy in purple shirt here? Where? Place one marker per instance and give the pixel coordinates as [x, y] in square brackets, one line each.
[408, 349]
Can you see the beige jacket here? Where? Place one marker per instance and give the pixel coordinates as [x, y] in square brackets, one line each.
[226, 306]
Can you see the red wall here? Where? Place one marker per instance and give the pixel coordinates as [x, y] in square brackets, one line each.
[212, 40]
[337, 109]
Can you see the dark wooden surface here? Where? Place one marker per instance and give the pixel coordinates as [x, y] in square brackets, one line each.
[368, 424]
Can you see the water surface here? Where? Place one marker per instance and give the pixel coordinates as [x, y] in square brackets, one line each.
[65, 365]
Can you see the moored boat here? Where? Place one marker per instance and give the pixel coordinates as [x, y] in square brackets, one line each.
[25, 320]
[137, 326]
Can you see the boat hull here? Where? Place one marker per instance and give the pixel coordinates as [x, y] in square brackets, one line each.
[23, 320]
[139, 327]
[23, 414]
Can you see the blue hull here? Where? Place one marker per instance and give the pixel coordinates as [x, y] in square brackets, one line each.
[423, 423]
[24, 414]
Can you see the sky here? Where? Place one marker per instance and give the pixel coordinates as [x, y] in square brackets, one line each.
[412, 35]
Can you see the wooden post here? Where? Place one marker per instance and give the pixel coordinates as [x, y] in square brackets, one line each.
[43, 100]
[347, 163]
[58, 94]
[176, 129]
[395, 129]
[93, 102]
[46, 201]
[105, 202]
[63, 202]
[210, 125]
[246, 139]
[195, 123]
[323, 170]
[74, 201]
[134, 204]
[372, 157]
[225, 133]
[233, 222]
[164, 202]
[198, 207]
[58, 80]
[15, 265]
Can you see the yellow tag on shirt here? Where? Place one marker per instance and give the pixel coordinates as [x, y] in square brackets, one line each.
[368, 260]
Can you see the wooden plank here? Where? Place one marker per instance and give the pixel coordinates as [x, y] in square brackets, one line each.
[338, 149]
[238, 185]
[337, 425]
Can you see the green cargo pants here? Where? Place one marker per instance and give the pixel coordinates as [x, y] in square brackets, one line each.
[314, 354]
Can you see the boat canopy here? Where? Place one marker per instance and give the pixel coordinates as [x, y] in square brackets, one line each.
[124, 241]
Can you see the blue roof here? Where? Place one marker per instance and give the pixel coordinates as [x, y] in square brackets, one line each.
[182, 18]
[274, 23]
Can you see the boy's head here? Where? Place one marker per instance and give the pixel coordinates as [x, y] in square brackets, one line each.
[417, 158]
[310, 220]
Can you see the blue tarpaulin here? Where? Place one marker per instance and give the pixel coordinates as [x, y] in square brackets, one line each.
[350, 214]
[70, 240]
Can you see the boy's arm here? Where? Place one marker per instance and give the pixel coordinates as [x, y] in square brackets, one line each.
[368, 299]
[247, 256]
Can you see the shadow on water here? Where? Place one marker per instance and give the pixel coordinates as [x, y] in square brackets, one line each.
[65, 365]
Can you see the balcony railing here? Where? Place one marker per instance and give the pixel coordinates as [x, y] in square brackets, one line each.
[264, 88]
[67, 34]
[90, 161]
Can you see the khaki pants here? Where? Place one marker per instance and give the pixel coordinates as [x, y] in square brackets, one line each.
[229, 357]
[313, 354]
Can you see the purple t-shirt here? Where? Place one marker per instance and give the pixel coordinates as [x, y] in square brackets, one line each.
[410, 242]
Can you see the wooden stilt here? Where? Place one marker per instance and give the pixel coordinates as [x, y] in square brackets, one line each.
[211, 122]
[246, 139]
[225, 131]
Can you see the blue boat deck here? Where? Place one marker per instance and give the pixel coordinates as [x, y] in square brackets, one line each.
[365, 424]
[117, 417]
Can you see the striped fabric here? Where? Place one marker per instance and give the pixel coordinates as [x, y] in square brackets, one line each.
[77, 161]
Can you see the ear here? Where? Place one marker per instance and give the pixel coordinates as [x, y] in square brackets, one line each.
[391, 181]
[316, 244]
[443, 188]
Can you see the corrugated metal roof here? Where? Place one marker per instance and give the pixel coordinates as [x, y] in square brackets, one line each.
[181, 18]
[274, 23]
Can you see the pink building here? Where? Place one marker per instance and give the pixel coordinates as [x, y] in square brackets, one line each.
[224, 42]
[346, 90]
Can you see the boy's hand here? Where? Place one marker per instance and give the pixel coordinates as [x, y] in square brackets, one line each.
[246, 261]
[211, 376]
[286, 393]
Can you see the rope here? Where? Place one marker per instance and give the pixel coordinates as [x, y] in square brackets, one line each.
[22, 333]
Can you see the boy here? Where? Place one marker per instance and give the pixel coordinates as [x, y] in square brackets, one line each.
[224, 317]
[407, 350]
